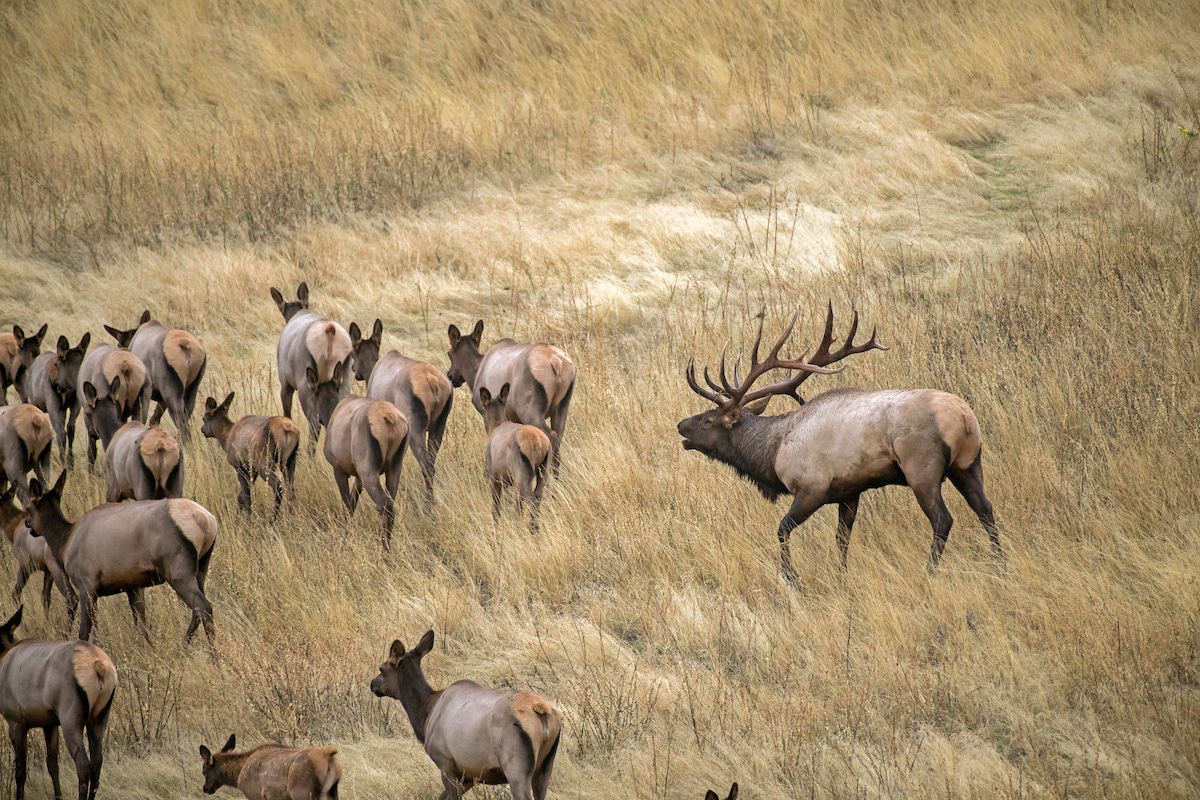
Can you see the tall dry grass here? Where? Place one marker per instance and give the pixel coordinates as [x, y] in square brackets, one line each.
[1009, 194]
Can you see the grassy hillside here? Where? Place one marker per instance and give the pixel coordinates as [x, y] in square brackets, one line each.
[1008, 193]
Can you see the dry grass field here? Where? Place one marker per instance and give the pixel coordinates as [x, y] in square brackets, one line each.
[1009, 191]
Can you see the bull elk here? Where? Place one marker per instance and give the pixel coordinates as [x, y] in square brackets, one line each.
[52, 385]
[256, 447]
[175, 361]
[733, 793]
[53, 685]
[841, 443]
[364, 439]
[516, 454]
[143, 462]
[17, 354]
[308, 341]
[125, 547]
[25, 436]
[112, 379]
[421, 391]
[475, 735]
[32, 555]
[273, 772]
[542, 378]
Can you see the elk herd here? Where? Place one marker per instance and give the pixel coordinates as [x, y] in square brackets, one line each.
[828, 450]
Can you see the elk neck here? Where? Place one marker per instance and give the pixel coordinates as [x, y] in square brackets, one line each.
[752, 449]
[221, 427]
[230, 765]
[418, 698]
[50, 524]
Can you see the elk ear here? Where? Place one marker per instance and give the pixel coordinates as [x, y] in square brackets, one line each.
[426, 643]
[89, 394]
[145, 317]
[14, 621]
[35, 490]
[339, 371]
[84, 342]
[210, 404]
[477, 334]
[711, 795]
[485, 397]
[60, 483]
[731, 417]
[113, 332]
[733, 792]
[115, 386]
[227, 402]
[277, 296]
[229, 745]
[19, 335]
[377, 331]
[355, 334]
[396, 652]
[758, 406]
[310, 375]
[206, 754]
[455, 335]
[503, 396]
[63, 347]
[302, 294]
[41, 332]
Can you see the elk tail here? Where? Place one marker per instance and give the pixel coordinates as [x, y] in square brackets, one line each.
[389, 428]
[534, 445]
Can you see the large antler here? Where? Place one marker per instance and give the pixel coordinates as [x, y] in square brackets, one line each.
[728, 395]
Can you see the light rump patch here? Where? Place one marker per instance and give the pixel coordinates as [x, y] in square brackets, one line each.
[131, 371]
[553, 369]
[196, 524]
[95, 674]
[160, 452]
[185, 354]
[33, 426]
[388, 426]
[329, 345]
[429, 385]
[533, 443]
[959, 429]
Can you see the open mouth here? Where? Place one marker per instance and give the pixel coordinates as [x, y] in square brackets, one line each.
[687, 445]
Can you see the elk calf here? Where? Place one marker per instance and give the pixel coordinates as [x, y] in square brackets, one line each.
[25, 435]
[52, 685]
[256, 447]
[32, 555]
[175, 361]
[273, 772]
[125, 547]
[143, 462]
[515, 454]
[365, 439]
[474, 735]
[542, 378]
[116, 378]
[421, 391]
[308, 341]
[52, 385]
[17, 354]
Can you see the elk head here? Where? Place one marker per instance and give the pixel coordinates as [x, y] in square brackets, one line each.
[69, 359]
[366, 351]
[29, 347]
[493, 407]
[216, 417]
[214, 776]
[402, 669]
[104, 413]
[326, 394]
[8, 631]
[290, 309]
[464, 355]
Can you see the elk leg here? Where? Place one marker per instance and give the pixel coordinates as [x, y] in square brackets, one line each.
[243, 476]
[16, 734]
[192, 595]
[385, 505]
[51, 733]
[158, 413]
[541, 778]
[72, 733]
[95, 734]
[530, 496]
[558, 423]
[91, 445]
[289, 476]
[87, 602]
[847, 512]
[802, 508]
[454, 789]
[285, 397]
[520, 787]
[137, 604]
[71, 432]
[497, 489]
[65, 589]
[969, 483]
[433, 444]
[929, 495]
[23, 575]
[201, 580]
[342, 479]
[47, 585]
[57, 417]
[277, 489]
[424, 457]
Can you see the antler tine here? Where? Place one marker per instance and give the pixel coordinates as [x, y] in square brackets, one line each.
[691, 379]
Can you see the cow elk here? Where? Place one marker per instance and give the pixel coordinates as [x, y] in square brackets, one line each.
[17, 354]
[273, 772]
[475, 735]
[53, 685]
[52, 384]
[516, 454]
[256, 447]
[32, 555]
[143, 462]
[308, 341]
[364, 439]
[421, 391]
[112, 380]
[175, 361]
[25, 436]
[125, 547]
[542, 378]
[733, 793]
[841, 443]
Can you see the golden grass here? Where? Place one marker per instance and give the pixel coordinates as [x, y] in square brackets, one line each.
[1009, 193]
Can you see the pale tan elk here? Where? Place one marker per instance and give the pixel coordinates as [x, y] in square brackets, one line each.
[273, 772]
[125, 547]
[256, 447]
[52, 384]
[116, 377]
[475, 735]
[421, 391]
[25, 436]
[841, 443]
[175, 361]
[364, 439]
[32, 555]
[542, 378]
[17, 354]
[143, 462]
[516, 454]
[53, 685]
[733, 793]
[308, 341]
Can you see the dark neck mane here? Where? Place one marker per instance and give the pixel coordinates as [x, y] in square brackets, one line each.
[418, 699]
[755, 446]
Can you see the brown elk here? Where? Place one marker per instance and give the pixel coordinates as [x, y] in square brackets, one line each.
[840, 443]
[25, 436]
[255, 447]
[364, 439]
[17, 354]
[143, 462]
[112, 379]
[52, 384]
[175, 361]
[542, 378]
[125, 547]
[52, 685]
[475, 735]
[32, 555]
[273, 772]
[421, 391]
[308, 341]
[733, 793]
[516, 454]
